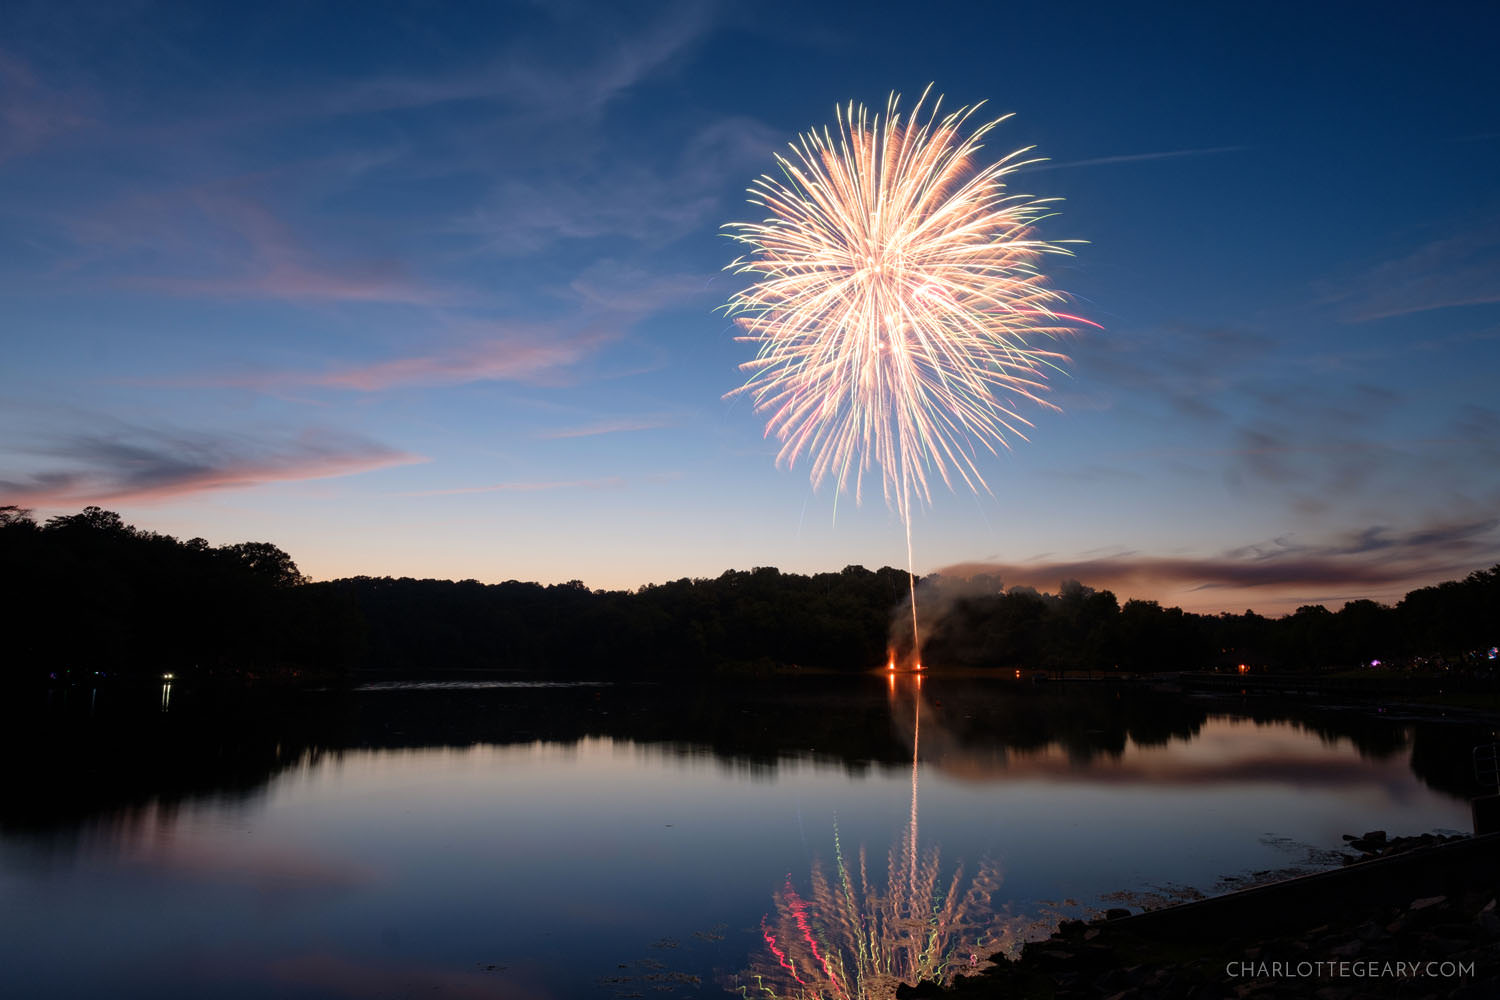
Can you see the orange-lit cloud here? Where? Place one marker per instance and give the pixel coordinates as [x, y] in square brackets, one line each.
[145, 467]
[1375, 563]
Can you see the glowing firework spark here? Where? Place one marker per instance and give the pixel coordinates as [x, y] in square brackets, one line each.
[896, 302]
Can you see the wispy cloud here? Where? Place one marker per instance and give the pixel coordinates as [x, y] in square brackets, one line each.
[230, 245]
[32, 113]
[639, 198]
[1187, 368]
[617, 287]
[1171, 154]
[532, 356]
[496, 361]
[611, 53]
[144, 466]
[525, 486]
[1459, 270]
[617, 425]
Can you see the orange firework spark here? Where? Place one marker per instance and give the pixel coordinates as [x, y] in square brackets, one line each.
[896, 300]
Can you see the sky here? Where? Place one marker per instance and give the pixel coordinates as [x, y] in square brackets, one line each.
[435, 290]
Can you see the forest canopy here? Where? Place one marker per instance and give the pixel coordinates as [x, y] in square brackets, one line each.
[88, 594]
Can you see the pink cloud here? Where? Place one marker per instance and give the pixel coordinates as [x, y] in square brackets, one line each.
[508, 360]
[528, 357]
[146, 467]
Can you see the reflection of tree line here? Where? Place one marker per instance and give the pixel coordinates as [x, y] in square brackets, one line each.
[81, 754]
[97, 594]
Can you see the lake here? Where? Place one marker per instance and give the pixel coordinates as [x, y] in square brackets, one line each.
[805, 837]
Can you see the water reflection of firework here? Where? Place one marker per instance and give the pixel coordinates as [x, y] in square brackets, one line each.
[851, 939]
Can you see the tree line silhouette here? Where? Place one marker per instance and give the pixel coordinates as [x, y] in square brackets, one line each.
[90, 594]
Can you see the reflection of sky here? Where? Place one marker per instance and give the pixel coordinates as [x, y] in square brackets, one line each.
[435, 298]
[560, 862]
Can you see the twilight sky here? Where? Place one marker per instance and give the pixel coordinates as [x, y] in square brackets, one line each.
[430, 289]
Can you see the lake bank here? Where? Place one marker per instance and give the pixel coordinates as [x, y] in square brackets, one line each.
[1423, 923]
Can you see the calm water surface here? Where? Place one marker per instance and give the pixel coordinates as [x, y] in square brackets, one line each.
[603, 841]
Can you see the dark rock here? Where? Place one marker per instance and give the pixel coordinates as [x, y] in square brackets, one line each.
[1375, 836]
[1476, 991]
[1457, 931]
[1116, 913]
[1417, 905]
[1110, 982]
[1348, 949]
[1443, 945]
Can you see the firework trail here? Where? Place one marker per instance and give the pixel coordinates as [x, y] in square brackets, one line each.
[896, 303]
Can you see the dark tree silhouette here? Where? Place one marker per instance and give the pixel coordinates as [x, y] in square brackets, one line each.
[87, 593]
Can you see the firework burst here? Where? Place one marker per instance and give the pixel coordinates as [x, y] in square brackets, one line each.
[897, 302]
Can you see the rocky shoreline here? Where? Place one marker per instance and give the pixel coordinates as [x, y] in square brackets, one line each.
[1413, 917]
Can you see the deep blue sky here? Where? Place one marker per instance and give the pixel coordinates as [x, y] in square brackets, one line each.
[429, 289]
